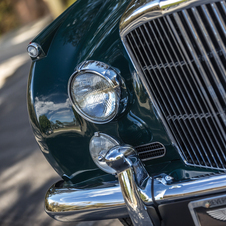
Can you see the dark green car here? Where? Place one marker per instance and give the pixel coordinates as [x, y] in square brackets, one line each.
[127, 101]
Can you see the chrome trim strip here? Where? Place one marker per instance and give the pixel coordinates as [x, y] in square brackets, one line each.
[71, 204]
[164, 192]
[140, 12]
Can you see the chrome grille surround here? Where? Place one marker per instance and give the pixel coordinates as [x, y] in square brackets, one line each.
[178, 49]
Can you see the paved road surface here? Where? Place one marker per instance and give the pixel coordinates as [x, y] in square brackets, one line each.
[25, 175]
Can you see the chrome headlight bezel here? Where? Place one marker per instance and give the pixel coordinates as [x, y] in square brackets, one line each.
[112, 76]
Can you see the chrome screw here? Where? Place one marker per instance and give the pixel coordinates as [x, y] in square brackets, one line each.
[101, 155]
[100, 158]
[97, 134]
[168, 178]
[207, 205]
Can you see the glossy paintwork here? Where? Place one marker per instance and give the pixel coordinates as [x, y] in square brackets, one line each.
[90, 31]
[45, 37]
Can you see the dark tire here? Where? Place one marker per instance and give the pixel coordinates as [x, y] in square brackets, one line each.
[126, 221]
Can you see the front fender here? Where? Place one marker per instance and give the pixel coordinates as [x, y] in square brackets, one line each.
[88, 31]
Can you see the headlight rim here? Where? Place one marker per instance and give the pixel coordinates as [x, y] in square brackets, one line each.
[112, 76]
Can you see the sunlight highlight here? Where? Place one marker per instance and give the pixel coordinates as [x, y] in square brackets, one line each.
[9, 67]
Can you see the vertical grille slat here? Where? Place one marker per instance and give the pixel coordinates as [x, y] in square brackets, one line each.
[195, 99]
[180, 127]
[219, 18]
[223, 4]
[215, 56]
[207, 66]
[209, 42]
[219, 41]
[183, 58]
[197, 77]
[199, 85]
[160, 100]
[215, 100]
[183, 110]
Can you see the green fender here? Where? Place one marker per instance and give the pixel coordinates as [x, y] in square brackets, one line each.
[88, 30]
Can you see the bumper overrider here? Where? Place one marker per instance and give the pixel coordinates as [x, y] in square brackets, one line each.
[140, 196]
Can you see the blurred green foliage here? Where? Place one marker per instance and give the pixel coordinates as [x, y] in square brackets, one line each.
[8, 18]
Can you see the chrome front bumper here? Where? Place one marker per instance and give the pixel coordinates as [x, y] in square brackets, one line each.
[106, 201]
[71, 204]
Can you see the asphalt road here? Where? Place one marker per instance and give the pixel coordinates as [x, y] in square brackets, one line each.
[25, 175]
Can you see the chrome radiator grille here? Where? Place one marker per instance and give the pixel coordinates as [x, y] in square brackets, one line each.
[183, 58]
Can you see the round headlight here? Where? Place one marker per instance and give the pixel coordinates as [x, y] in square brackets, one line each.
[95, 91]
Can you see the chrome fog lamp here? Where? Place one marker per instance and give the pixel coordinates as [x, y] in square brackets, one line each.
[99, 145]
[96, 92]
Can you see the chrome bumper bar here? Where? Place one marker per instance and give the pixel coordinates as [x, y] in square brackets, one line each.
[71, 204]
[164, 192]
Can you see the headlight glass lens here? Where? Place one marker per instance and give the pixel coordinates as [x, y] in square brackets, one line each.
[94, 96]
